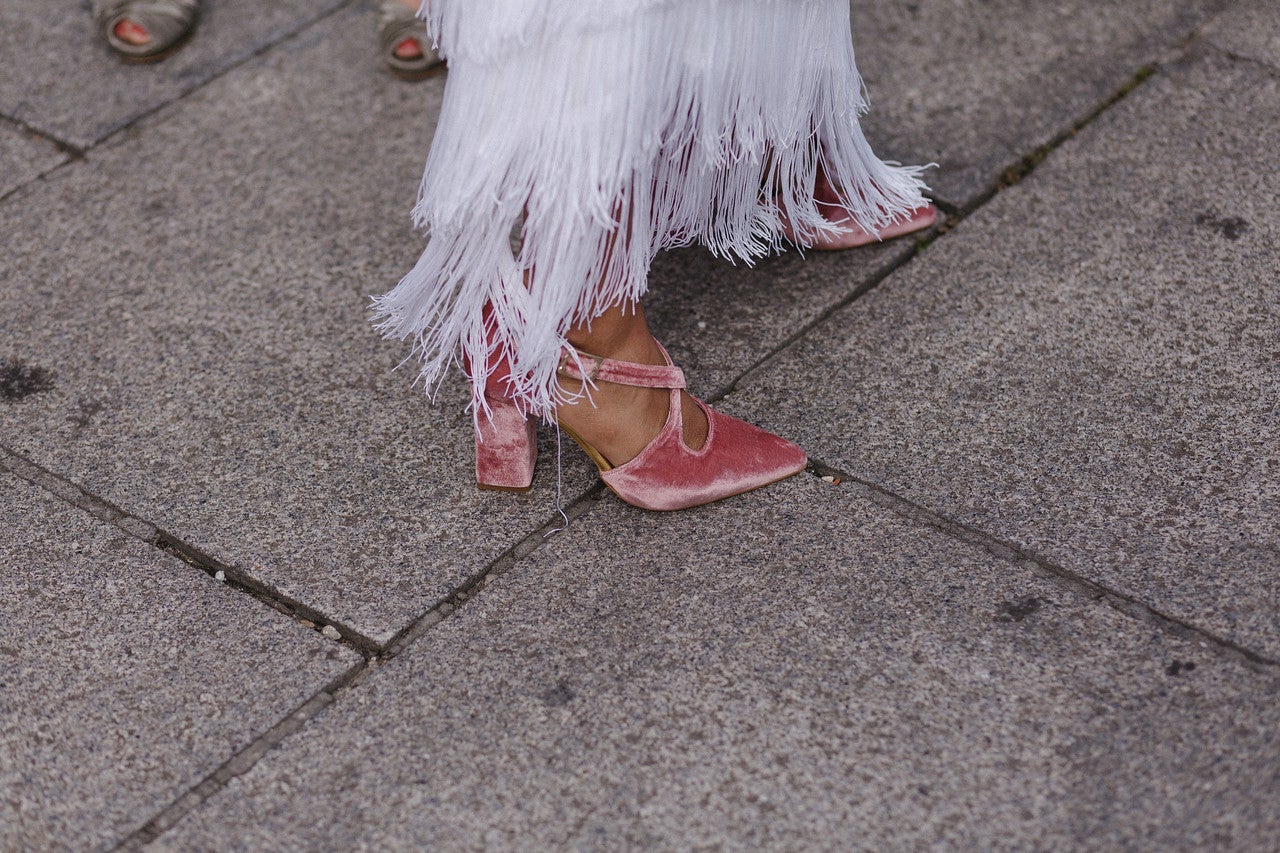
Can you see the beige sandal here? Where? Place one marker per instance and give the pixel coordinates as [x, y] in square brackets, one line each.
[167, 22]
[399, 23]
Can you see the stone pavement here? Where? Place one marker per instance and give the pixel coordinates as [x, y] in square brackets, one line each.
[1027, 598]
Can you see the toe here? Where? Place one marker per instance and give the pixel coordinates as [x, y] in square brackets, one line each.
[131, 32]
[408, 49]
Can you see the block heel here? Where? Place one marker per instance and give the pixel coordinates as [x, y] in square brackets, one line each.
[506, 448]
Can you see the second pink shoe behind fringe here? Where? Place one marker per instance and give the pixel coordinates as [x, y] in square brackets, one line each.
[851, 234]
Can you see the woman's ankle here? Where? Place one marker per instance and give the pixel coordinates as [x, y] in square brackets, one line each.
[621, 336]
[620, 420]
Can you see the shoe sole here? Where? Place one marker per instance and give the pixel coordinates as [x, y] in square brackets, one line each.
[522, 490]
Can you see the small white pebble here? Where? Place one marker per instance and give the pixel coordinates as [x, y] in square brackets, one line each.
[331, 632]
[702, 324]
[828, 479]
[220, 576]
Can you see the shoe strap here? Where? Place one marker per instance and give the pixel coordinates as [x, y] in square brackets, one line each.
[573, 362]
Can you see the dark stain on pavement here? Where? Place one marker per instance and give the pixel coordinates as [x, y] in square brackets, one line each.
[87, 409]
[19, 380]
[1178, 667]
[1016, 611]
[1231, 227]
[561, 694]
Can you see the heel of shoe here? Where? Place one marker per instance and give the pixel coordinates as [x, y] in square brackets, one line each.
[506, 449]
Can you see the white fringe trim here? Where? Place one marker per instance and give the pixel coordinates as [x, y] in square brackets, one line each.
[666, 127]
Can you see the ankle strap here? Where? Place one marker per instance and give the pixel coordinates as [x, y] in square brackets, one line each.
[599, 369]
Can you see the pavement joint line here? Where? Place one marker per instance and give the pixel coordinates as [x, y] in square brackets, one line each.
[283, 35]
[72, 154]
[1009, 552]
[247, 757]
[71, 150]
[861, 289]
[244, 760]
[13, 191]
[475, 584]
[1208, 45]
[77, 153]
[242, 581]
[953, 216]
[1016, 172]
[239, 580]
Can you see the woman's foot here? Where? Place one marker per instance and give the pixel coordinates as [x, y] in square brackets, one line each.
[409, 47]
[655, 446]
[619, 421]
[656, 454]
[145, 30]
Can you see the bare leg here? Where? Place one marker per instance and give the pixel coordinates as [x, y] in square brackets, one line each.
[624, 419]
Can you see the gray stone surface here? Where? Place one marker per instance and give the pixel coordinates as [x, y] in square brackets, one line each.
[126, 676]
[24, 156]
[1248, 29]
[60, 77]
[1088, 367]
[198, 287]
[976, 85]
[798, 668]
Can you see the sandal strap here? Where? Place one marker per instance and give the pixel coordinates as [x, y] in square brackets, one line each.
[600, 369]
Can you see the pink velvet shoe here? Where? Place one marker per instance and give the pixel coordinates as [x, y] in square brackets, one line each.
[852, 234]
[668, 474]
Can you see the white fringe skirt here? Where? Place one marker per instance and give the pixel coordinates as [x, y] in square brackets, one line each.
[603, 131]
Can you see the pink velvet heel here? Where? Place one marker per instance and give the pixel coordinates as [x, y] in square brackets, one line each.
[668, 474]
[506, 441]
[506, 448]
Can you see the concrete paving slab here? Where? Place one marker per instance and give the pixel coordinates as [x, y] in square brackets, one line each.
[127, 675]
[976, 85]
[197, 291]
[24, 156]
[798, 668]
[1248, 29]
[203, 317]
[1087, 367]
[60, 77]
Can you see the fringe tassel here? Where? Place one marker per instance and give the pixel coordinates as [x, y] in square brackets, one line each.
[616, 136]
